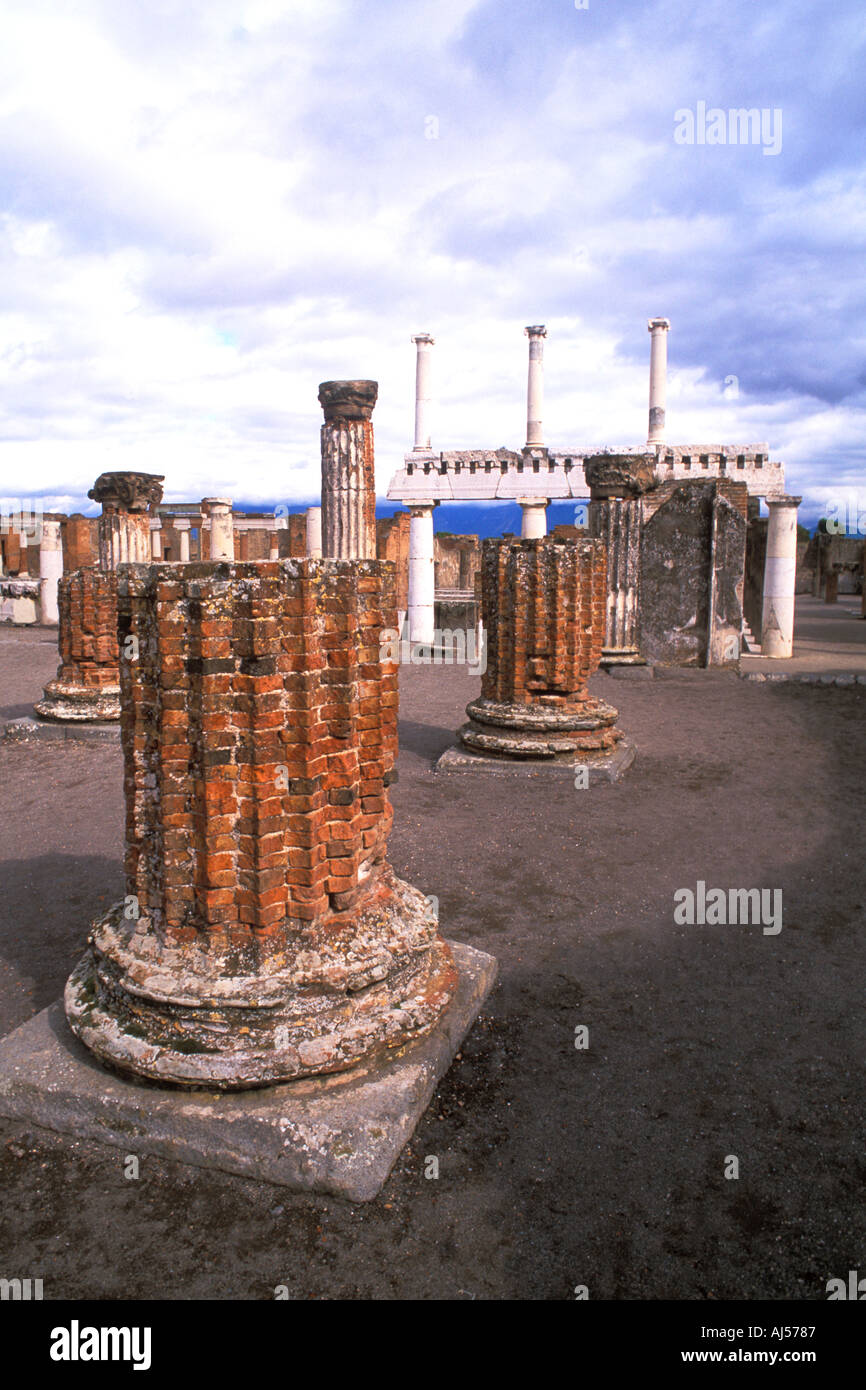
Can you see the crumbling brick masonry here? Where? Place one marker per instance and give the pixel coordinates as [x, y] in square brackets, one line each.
[265, 935]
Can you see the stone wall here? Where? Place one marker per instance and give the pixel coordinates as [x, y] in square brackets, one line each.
[692, 570]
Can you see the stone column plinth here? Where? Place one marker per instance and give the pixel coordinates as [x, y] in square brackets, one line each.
[265, 936]
[533, 523]
[423, 391]
[535, 385]
[658, 329]
[217, 511]
[780, 572]
[543, 604]
[50, 571]
[348, 470]
[314, 532]
[87, 685]
[422, 574]
[617, 482]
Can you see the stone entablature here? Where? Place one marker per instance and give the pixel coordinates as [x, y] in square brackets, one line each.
[460, 475]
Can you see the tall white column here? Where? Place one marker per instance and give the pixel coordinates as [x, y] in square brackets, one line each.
[222, 538]
[534, 521]
[422, 575]
[780, 572]
[658, 329]
[423, 394]
[314, 533]
[50, 571]
[536, 334]
[156, 538]
[182, 526]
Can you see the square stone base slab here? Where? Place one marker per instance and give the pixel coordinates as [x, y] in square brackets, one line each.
[339, 1134]
[43, 730]
[609, 769]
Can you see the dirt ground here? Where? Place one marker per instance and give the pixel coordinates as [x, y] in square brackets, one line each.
[558, 1166]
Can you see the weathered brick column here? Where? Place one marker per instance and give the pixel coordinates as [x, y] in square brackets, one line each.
[87, 685]
[543, 603]
[273, 940]
[617, 482]
[348, 470]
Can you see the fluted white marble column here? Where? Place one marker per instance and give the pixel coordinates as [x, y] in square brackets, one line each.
[218, 510]
[533, 523]
[50, 571]
[780, 572]
[658, 329]
[422, 574]
[536, 333]
[423, 391]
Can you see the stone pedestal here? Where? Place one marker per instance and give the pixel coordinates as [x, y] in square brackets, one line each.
[348, 470]
[265, 936]
[544, 612]
[780, 572]
[50, 571]
[87, 685]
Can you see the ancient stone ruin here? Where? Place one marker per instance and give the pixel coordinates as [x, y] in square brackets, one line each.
[87, 685]
[264, 936]
[544, 613]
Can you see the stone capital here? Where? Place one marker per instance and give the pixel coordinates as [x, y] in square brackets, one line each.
[658, 325]
[619, 475]
[423, 338]
[348, 400]
[127, 492]
[536, 330]
[783, 500]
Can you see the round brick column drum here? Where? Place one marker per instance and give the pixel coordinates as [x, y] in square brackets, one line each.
[86, 687]
[264, 934]
[543, 604]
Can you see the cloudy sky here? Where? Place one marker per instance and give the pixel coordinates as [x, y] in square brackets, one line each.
[210, 206]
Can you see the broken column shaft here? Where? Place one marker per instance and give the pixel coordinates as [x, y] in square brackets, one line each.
[617, 482]
[87, 686]
[543, 603]
[348, 470]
